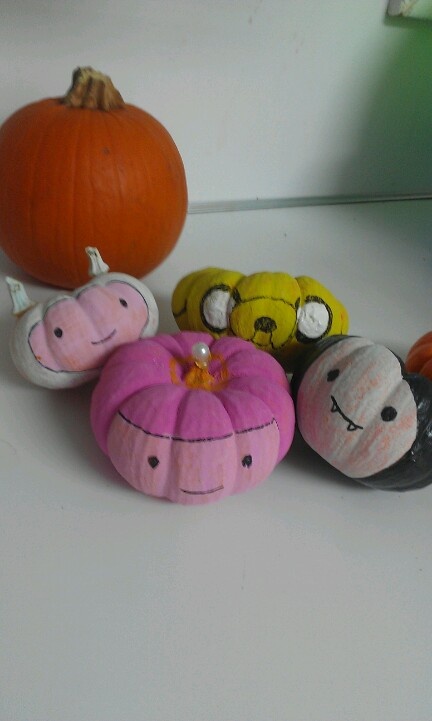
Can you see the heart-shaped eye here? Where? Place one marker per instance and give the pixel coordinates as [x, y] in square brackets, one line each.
[214, 305]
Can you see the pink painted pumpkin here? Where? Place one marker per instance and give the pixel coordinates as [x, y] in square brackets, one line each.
[64, 342]
[358, 408]
[188, 431]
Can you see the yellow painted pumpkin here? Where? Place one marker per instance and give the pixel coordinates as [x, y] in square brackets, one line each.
[277, 312]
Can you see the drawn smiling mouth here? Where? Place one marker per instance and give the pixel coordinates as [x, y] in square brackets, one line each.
[201, 493]
[265, 340]
[104, 340]
[336, 409]
[262, 342]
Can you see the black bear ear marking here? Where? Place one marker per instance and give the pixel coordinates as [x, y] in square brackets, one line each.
[153, 461]
[214, 308]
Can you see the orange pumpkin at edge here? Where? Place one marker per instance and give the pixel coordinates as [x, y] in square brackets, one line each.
[419, 357]
[88, 169]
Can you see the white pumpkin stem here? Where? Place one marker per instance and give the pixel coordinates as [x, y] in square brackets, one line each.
[97, 265]
[20, 300]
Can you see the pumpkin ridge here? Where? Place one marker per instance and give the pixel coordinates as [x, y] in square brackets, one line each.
[119, 190]
[88, 197]
[231, 396]
[199, 407]
[170, 153]
[36, 165]
[75, 252]
[51, 133]
[139, 168]
[90, 315]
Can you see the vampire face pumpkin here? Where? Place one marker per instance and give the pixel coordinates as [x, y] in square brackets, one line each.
[359, 409]
[65, 341]
[192, 432]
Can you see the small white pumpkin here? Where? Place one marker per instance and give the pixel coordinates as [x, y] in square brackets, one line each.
[65, 341]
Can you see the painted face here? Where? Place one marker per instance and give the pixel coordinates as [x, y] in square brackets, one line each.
[263, 309]
[78, 333]
[193, 471]
[355, 409]
[190, 463]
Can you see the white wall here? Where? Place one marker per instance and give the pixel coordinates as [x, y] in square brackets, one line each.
[265, 98]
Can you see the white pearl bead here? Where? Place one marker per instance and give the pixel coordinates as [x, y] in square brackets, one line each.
[201, 354]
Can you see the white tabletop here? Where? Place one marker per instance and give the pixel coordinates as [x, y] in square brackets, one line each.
[306, 599]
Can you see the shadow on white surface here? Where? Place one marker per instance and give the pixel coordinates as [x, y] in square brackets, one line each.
[311, 469]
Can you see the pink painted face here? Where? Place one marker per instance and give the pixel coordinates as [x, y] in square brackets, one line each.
[78, 333]
[193, 470]
[355, 409]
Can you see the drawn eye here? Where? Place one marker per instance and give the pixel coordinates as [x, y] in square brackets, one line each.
[388, 413]
[247, 461]
[314, 319]
[214, 308]
[123, 302]
[58, 332]
[332, 375]
[153, 461]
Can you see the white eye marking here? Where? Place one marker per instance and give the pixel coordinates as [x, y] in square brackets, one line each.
[214, 308]
[313, 319]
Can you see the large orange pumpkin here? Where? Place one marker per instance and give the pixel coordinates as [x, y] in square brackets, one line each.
[88, 169]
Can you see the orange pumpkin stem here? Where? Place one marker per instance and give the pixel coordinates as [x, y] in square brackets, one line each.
[200, 378]
[93, 90]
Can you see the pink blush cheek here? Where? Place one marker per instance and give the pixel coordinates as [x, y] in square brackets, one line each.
[326, 432]
[380, 445]
[363, 452]
[38, 343]
[142, 459]
[313, 415]
[257, 455]
[71, 351]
